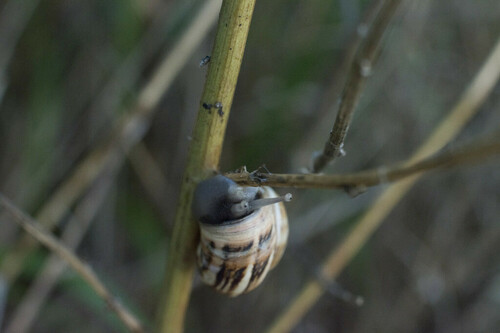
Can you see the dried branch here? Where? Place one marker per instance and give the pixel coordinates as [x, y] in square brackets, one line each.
[204, 154]
[330, 96]
[27, 309]
[467, 106]
[361, 68]
[40, 234]
[471, 153]
[130, 130]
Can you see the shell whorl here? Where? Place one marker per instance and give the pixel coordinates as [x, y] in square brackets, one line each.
[235, 256]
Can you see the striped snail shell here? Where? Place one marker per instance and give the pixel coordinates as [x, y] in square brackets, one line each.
[244, 231]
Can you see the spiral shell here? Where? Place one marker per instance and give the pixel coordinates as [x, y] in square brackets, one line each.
[234, 257]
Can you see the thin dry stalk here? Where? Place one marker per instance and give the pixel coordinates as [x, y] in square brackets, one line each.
[130, 130]
[361, 69]
[467, 106]
[331, 93]
[203, 158]
[28, 308]
[471, 153]
[44, 237]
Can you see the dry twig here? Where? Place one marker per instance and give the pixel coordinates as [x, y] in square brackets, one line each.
[361, 68]
[467, 106]
[27, 309]
[472, 153]
[330, 96]
[44, 237]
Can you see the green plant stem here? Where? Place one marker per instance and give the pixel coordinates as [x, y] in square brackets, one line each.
[203, 158]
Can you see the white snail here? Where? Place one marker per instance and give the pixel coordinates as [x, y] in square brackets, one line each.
[244, 231]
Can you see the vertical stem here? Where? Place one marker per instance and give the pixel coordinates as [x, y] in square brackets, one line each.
[203, 159]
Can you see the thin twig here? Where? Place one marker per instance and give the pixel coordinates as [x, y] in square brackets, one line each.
[44, 237]
[330, 95]
[467, 106]
[471, 153]
[126, 133]
[204, 155]
[361, 68]
[27, 309]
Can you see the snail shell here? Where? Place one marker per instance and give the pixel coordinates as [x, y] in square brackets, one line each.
[235, 255]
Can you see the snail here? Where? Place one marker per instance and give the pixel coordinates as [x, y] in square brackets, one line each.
[243, 230]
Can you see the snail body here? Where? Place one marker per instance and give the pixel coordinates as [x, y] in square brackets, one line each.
[243, 231]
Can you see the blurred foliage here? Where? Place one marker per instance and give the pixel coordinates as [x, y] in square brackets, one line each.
[432, 267]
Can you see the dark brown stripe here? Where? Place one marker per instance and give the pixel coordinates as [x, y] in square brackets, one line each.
[265, 238]
[231, 249]
[228, 274]
[258, 269]
[247, 247]
[238, 275]
[220, 275]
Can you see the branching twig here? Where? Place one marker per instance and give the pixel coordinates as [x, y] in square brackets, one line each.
[204, 154]
[471, 153]
[126, 133]
[361, 68]
[467, 106]
[44, 237]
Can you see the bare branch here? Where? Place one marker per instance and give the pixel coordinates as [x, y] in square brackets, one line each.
[361, 68]
[468, 105]
[40, 234]
[330, 96]
[35, 297]
[471, 153]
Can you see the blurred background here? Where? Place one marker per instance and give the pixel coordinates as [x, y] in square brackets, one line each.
[71, 70]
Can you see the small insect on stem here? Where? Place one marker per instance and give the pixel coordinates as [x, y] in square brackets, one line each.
[218, 106]
[207, 106]
[204, 61]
